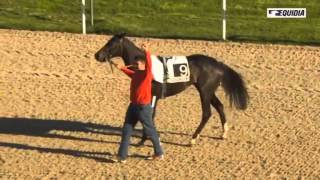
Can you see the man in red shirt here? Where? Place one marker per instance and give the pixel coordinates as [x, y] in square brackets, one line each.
[140, 106]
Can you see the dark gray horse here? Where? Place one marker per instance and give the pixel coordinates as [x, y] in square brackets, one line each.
[206, 74]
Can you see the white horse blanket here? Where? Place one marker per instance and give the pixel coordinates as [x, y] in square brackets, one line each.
[171, 69]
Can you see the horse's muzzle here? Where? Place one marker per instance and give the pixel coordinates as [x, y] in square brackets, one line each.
[99, 58]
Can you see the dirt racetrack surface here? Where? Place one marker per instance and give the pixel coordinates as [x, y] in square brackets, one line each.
[61, 113]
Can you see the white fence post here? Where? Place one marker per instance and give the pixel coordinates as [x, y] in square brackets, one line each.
[83, 16]
[92, 13]
[224, 20]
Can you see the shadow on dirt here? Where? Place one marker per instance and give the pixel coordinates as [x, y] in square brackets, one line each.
[98, 156]
[48, 128]
[42, 128]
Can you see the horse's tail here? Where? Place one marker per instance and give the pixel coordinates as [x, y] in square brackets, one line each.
[235, 88]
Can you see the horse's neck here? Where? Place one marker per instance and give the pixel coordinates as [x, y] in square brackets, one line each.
[130, 51]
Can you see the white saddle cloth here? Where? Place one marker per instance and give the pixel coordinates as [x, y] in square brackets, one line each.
[177, 69]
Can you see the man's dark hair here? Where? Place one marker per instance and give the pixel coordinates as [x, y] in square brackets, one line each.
[140, 58]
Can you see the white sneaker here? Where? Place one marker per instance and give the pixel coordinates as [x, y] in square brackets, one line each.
[119, 160]
[156, 157]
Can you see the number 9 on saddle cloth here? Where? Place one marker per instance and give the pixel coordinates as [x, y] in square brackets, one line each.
[173, 69]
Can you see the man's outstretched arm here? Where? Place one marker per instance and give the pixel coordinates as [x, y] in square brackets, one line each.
[125, 69]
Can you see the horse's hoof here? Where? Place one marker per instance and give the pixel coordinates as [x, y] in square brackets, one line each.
[225, 131]
[193, 142]
[224, 136]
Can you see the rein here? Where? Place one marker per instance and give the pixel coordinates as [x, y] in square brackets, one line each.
[111, 63]
[115, 64]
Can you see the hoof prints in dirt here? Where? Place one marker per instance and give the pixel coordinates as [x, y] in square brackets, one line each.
[56, 77]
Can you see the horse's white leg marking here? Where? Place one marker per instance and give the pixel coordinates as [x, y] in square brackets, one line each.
[193, 141]
[225, 130]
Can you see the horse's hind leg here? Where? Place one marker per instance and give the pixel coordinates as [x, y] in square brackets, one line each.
[219, 107]
[206, 113]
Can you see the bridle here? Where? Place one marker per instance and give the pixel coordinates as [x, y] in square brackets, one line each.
[111, 63]
[108, 58]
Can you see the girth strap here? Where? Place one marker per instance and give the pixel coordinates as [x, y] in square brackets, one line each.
[165, 77]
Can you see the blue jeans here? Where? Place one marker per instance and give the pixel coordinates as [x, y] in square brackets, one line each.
[143, 113]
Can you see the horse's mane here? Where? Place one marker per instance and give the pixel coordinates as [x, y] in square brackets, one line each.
[132, 46]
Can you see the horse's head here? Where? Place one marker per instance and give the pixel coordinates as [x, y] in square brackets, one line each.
[113, 48]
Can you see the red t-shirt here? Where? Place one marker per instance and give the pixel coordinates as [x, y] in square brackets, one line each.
[140, 88]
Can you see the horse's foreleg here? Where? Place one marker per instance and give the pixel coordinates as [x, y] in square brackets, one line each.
[206, 113]
[219, 107]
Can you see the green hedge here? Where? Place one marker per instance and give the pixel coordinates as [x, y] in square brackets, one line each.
[192, 19]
